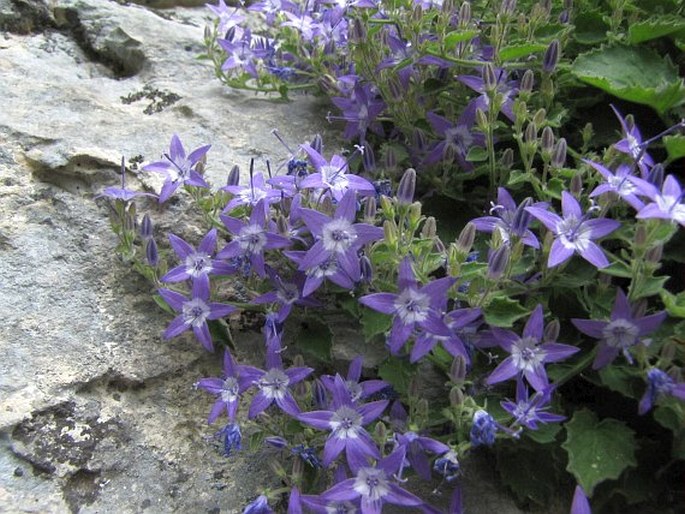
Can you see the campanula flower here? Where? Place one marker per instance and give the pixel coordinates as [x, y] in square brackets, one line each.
[528, 411]
[231, 437]
[358, 390]
[483, 429]
[580, 504]
[286, 293]
[196, 263]
[416, 447]
[121, 193]
[252, 193]
[455, 139]
[666, 204]
[659, 384]
[228, 389]
[632, 143]
[617, 182]
[259, 506]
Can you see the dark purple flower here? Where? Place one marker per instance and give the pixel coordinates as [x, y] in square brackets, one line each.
[179, 168]
[252, 193]
[333, 176]
[286, 294]
[574, 233]
[231, 437]
[412, 307]
[346, 425]
[360, 111]
[509, 219]
[338, 238]
[456, 138]
[618, 183]
[455, 321]
[194, 312]
[622, 332]
[251, 239]
[447, 466]
[274, 385]
[483, 429]
[416, 446]
[528, 411]
[528, 353]
[666, 204]
[631, 144]
[197, 264]
[259, 506]
[358, 390]
[375, 486]
[507, 89]
[659, 384]
[228, 389]
[580, 504]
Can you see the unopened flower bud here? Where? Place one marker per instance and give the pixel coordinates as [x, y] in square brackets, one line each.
[146, 227]
[482, 120]
[358, 31]
[413, 390]
[419, 139]
[429, 229]
[439, 246]
[130, 219]
[640, 235]
[370, 209]
[320, 396]
[456, 396]
[282, 225]
[668, 351]
[276, 442]
[415, 213]
[233, 176]
[366, 269]
[317, 143]
[389, 159]
[369, 159]
[151, 253]
[465, 14]
[564, 17]
[656, 175]
[654, 254]
[547, 139]
[407, 187]
[466, 238]
[458, 370]
[497, 262]
[489, 77]
[422, 408]
[389, 232]
[507, 7]
[551, 57]
[551, 332]
[380, 432]
[576, 186]
[539, 117]
[527, 82]
[507, 160]
[531, 133]
[559, 155]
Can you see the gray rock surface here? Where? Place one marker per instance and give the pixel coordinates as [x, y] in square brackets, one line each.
[97, 413]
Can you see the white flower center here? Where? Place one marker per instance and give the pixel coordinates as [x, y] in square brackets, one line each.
[338, 235]
[620, 334]
[458, 137]
[527, 356]
[412, 306]
[198, 264]
[288, 294]
[252, 239]
[340, 508]
[195, 312]
[346, 423]
[371, 483]
[325, 269]
[573, 234]
[274, 383]
[229, 390]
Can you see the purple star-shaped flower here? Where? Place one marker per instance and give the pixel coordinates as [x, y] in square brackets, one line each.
[121, 193]
[528, 411]
[360, 112]
[659, 384]
[179, 168]
[194, 312]
[509, 219]
[455, 321]
[574, 233]
[240, 55]
[333, 176]
[456, 138]
[528, 353]
[228, 389]
[412, 307]
[251, 239]
[375, 486]
[666, 204]
[251, 194]
[618, 183]
[228, 17]
[623, 331]
[274, 385]
[346, 425]
[507, 88]
[631, 144]
[416, 447]
[328, 269]
[197, 264]
[286, 294]
[358, 390]
[338, 237]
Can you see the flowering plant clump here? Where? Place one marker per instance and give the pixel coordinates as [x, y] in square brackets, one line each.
[554, 321]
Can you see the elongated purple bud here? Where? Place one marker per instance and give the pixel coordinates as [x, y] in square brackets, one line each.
[370, 209]
[151, 253]
[547, 139]
[389, 159]
[656, 176]
[530, 135]
[551, 58]
[552, 331]
[507, 160]
[276, 442]
[466, 238]
[146, 227]
[233, 176]
[465, 13]
[407, 187]
[527, 82]
[576, 186]
[559, 155]
[489, 77]
[317, 143]
[368, 159]
[320, 395]
[458, 370]
[497, 262]
[366, 269]
[564, 17]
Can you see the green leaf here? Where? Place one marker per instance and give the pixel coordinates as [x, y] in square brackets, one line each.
[519, 176]
[459, 36]
[675, 304]
[653, 28]
[477, 154]
[538, 483]
[622, 379]
[597, 450]
[617, 269]
[668, 418]
[546, 433]
[315, 338]
[509, 53]
[398, 373]
[649, 287]
[637, 74]
[554, 187]
[163, 305]
[503, 312]
[675, 146]
[374, 323]
[590, 28]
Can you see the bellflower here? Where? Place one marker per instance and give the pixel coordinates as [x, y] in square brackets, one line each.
[416, 446]
[447, 466]
[346, 425]
[286, 294]
[507, 88]
[666, 204]
[179, 168]
[528, 354]
[528, 411]
[338, 237]
[274, 385]
[631, 144]
[328, 269]
[305, 24]
[618, 183]
[483, 429]
[375, 486]
[252, 193]
[621, 333]
[271, 8]
[228, 389]
[580, 504]
[358, 390]
[455, 321]
[360, 112]
[659, 384]
[240, 55]
[228, 17]
[121, 193]
[197, 264]
[509, 219]
[333, 176]
[232, 438]
[456, 138]
[259, 506]
[412, 307]
[194, 312]
[251, 239]
[574, 232]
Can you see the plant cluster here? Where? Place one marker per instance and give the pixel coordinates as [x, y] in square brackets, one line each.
[553, 319]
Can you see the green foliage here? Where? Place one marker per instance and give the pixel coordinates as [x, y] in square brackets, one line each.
[504, 312]
[398, 373]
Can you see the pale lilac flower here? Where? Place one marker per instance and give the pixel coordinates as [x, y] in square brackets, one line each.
[457, 138]
[121, 193]
[179, 168]
[228, 389]
[574, 233]
[360, 112]
[358, 390]
[194, 312]
[621, 333]
[304, 23]
[271, 8]
[286, 294]
[252, 193]
[240, 55]
[580, 504]
[455, 321]
[228, 17]
[416, 446]
[618, 182]
[259, 506]
[346, 422]
[507, 88]
[659, 384]
[412, 307]
[196, 264]
[632, 144]
[666, 204]
[528, 411]
[528, 353]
